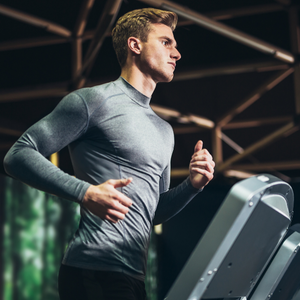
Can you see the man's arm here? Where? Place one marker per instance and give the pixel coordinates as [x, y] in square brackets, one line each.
[27, 161]
[174, 200]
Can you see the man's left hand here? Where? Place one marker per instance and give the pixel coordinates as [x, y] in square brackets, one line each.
[201, 167]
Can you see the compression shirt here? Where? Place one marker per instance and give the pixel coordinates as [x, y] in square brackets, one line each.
[112, 133]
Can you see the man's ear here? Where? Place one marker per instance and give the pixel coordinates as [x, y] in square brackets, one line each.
[134, 44]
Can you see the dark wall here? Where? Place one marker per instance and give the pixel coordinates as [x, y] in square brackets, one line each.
[181, 233]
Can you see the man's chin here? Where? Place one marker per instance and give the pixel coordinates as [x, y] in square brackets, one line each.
[167, 78]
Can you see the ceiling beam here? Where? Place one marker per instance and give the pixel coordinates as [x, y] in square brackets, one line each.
[76, 59]
[217, 149]
[38, 22]
[60, 89]
[263, 166]
[281, 132]
[244, 11]
[184, 172]
[77, 33]
[33, 42]
[56, 90]
[170, 113]
[256, 122]
[11, 132]
[5, 146]
[237, 124]
[294, 29]
[83, 17]
[104, 26]
[295, 45]
[223, 29]
[11, 127]
[186, 129]
[237, 12]
[230, 69]
[254, 96]
[87, 5]
[41, 41]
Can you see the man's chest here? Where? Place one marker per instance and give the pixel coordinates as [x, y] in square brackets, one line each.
[134, 135]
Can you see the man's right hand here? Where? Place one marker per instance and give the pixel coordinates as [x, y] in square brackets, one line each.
[106, 202]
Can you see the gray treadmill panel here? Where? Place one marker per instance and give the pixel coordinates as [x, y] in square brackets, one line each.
[239, 242]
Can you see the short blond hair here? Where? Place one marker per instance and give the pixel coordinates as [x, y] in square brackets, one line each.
[136, 23]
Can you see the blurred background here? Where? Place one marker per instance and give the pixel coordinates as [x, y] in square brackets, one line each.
[236, 88]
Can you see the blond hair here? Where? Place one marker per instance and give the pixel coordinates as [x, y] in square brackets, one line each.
[136, 23]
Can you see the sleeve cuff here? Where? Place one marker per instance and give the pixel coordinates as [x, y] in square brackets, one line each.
[190, 186]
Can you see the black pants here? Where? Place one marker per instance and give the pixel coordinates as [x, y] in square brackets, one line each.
[81, 284]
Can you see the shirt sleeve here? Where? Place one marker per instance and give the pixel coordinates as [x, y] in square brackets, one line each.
[172, 201]
[27, 161]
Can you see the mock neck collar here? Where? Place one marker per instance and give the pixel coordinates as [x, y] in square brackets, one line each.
[132, 92]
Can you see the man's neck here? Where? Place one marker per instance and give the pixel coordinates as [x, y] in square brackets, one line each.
[139, 80]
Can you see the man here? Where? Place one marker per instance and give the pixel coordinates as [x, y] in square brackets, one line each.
[121, 151]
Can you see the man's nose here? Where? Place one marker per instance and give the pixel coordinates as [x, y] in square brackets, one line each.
[176, 54]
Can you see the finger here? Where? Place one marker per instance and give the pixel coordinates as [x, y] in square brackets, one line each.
[198, 146]
[115, 215]
[119, 182]
[205, 160]
[203, 165]
[122, 199]
[204, 173]
[109, 218]
[201, 157]
[120, 207]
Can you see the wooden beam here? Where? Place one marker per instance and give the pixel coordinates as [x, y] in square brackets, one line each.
[186, 129]
[184, 172]
[168, 113]
[237, 12]
[223, 29]
[258, 145]
[34, 93]
[244, 11]
[254, 96]
[263, 166]
[77, 42]
[61, 89]
[257, 122]
[5, 146]
[217, 149]
[83, 17]
[297, 88]
[10, 131]
[230, 69]
[76, 58]
[295, 45]
[35, 21]
[294, 29]
[30, 43]
[41, 41]
[231, 143]
[105, 25]
[11, 127]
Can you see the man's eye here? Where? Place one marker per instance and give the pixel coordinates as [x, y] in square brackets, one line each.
[165, 43]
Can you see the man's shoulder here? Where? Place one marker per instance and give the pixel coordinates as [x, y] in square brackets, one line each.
[98, 92]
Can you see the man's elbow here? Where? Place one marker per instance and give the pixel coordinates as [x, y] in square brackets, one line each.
[7, 163]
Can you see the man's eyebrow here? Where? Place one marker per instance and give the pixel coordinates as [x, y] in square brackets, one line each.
[171, 41]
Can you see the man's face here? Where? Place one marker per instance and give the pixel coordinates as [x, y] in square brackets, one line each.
[159, 54]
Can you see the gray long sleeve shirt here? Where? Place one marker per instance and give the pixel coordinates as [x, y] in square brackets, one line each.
[112, 133]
